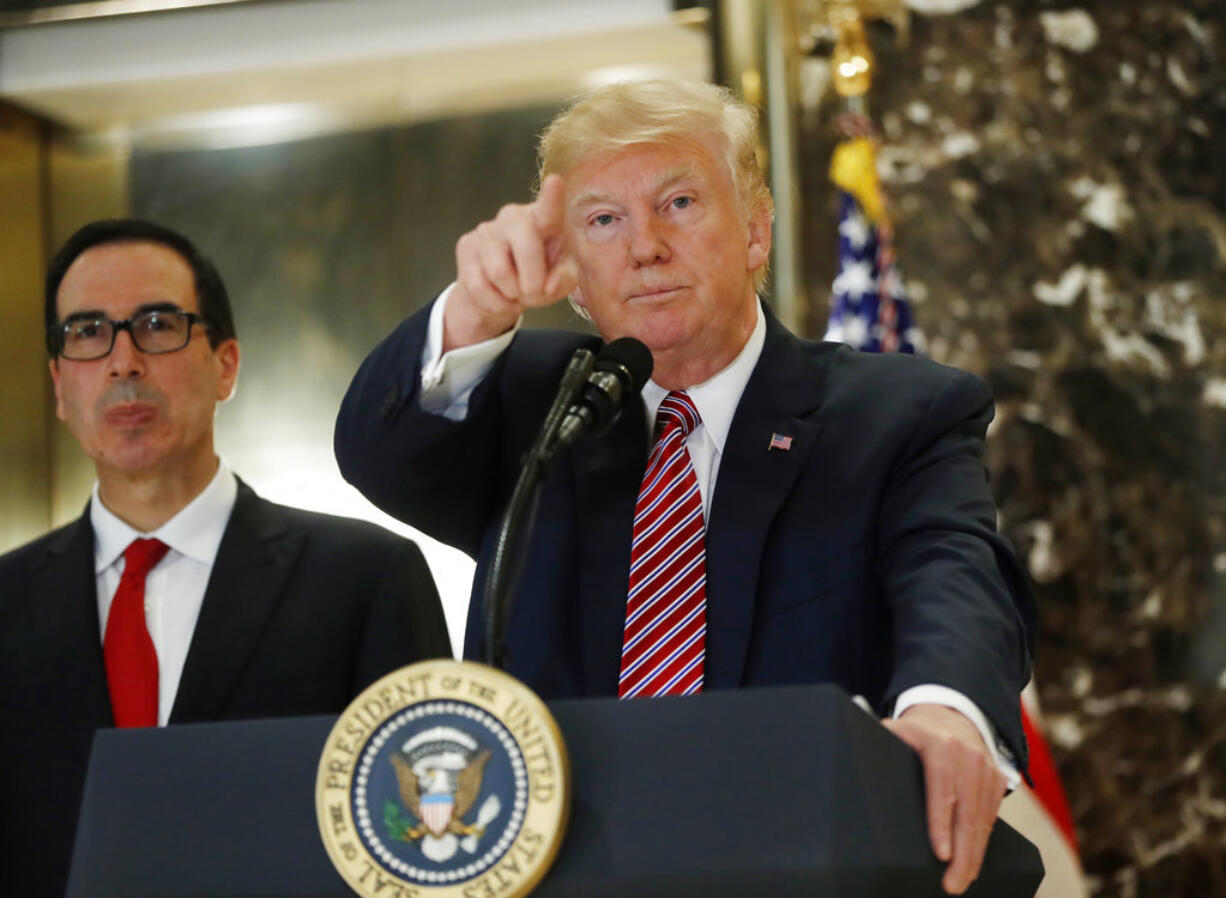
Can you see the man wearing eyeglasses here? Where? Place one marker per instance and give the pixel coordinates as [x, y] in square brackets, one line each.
[179, 595]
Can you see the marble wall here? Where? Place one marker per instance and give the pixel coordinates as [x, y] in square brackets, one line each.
[1058, 174]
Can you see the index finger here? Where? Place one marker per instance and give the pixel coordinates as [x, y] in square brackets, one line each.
[977, 809]
[942, 799]
[939, 784]
[970, 839]
[548, 211]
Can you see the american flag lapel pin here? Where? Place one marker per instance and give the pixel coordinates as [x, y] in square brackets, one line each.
[779, 441]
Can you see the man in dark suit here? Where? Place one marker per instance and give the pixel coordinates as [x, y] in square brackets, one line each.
[248, 609]
[803, 512]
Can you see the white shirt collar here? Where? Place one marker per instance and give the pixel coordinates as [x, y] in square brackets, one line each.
[717, 398]
[195, 531]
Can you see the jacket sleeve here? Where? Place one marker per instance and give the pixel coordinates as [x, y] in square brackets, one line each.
[438, 475]
[964, 616]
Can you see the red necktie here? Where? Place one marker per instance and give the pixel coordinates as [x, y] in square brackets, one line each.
[131, 660]
[666, 608]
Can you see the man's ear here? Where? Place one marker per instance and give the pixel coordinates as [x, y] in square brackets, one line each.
[54, 366]
[228, 356]
[759, 247]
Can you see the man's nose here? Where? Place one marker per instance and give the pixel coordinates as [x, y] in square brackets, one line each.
[648, 244]
[125, 360]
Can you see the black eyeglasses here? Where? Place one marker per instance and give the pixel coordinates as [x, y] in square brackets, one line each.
[153, 332]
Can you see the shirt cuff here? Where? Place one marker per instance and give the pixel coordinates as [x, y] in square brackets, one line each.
[931, 694]
[448, 379]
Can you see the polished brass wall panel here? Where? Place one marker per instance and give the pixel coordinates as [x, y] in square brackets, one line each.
[24, 387]
[85, 181]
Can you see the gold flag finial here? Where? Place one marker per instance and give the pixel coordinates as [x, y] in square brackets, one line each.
[851, 63]
[852, 60]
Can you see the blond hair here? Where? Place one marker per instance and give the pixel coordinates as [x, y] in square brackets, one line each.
[658, 112]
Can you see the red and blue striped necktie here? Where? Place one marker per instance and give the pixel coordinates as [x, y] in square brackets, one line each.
[666, 608]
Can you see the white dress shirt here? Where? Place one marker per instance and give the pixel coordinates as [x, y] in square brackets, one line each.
[174, 589]
[448, 381]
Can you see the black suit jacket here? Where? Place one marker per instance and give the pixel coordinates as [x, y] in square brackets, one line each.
[865, 555]
[302, 611]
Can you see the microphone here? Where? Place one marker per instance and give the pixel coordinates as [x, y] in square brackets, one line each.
[591, 394]
[618, 373]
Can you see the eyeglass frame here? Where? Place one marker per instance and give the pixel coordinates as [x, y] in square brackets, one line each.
[125, 324]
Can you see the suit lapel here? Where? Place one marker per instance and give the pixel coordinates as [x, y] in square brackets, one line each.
[64, 610]
[607, 476]
[753, 481]
[255, 558]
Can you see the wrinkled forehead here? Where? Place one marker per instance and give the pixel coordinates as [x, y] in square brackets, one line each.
[645, 167]
[117, 278]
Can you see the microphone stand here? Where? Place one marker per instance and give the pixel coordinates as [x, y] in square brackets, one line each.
[507, 562]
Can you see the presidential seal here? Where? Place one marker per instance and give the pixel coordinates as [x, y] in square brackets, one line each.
[443, 780]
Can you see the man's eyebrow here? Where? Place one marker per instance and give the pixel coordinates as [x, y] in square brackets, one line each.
[667, 180]
[673, 175]
[161, 306]
[590, 197]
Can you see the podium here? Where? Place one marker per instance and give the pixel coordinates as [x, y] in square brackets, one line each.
[779, 792]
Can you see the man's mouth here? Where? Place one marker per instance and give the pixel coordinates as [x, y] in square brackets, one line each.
[654, 294]
[130, 414]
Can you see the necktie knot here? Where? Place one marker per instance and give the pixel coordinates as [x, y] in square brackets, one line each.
[678, 411]
[141, 556]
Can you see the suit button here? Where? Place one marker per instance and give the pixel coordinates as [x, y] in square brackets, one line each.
[387, 408]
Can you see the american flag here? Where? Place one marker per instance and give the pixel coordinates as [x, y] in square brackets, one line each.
[1042, 814]
[869, 308]
[779, 441]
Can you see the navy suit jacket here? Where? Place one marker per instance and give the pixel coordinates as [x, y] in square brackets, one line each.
[302, 611]
[865, 555]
